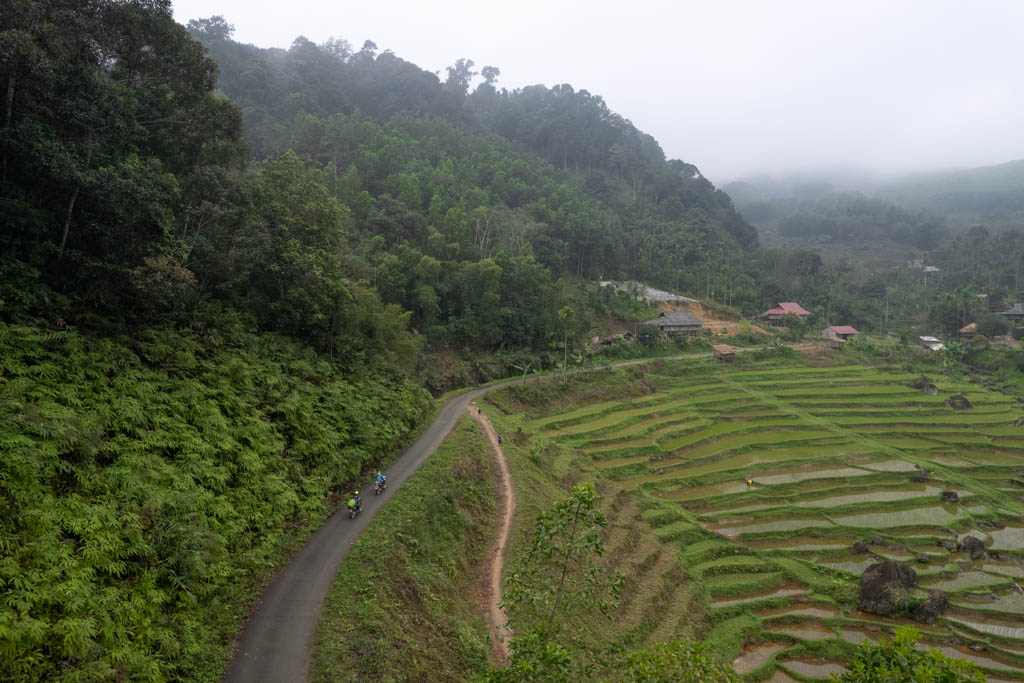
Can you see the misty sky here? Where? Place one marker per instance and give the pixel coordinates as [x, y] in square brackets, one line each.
[733, 87]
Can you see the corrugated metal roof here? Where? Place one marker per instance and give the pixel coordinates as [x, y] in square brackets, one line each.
[675, 318]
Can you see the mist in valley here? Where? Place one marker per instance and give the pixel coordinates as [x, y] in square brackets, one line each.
[855, 93]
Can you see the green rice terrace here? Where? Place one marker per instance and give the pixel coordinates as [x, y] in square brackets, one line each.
[833, 456]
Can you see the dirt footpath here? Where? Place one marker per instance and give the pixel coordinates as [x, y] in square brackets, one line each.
[497, 621]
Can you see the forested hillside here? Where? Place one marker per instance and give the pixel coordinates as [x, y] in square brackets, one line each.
[190, 361]
[839, 217]
[989, 195]
[544, 174]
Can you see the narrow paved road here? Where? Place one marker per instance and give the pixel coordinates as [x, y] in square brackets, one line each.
[277, 643]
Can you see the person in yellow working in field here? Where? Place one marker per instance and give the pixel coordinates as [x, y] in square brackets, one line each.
[750, 482]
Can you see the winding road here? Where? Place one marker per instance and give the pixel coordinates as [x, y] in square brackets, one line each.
[277, 642]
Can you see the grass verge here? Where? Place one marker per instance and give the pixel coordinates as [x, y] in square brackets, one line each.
[406, 604]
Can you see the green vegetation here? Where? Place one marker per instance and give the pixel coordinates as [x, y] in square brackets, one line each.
[152, 485]
[399, 607]
[897, 661]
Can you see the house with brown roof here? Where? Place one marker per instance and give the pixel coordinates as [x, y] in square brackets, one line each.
[676, 322]
[774, 316]
[839, 332]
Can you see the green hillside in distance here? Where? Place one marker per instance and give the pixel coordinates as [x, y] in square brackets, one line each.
[990, 195]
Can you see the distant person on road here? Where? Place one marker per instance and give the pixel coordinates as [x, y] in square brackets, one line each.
[499, 439]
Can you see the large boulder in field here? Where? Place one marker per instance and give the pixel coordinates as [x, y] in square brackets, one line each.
[858, 547]
[933, 607]
[925, 385]
[885, 587]
[958, 402]
[973, 546]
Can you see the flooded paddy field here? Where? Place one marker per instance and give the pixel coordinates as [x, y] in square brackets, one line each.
[766, 478]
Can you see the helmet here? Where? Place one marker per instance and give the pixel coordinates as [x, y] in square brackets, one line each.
[356, 493]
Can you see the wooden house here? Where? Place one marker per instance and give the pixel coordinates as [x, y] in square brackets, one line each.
[839, 332]
[676, 322]
[774, 316]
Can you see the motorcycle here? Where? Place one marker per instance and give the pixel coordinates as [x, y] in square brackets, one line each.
[378, 487]
[354, 509]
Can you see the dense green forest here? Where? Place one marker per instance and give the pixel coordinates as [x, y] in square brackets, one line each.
[547, 176]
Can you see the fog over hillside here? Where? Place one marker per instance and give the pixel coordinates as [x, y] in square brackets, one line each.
[735, 87]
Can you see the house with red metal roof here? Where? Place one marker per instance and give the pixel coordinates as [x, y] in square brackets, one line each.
[840, 332]
[773, 316]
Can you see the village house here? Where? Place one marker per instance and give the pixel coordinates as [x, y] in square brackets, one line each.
[968, 330]
[676, 322]
[1015, 314]
[839, 332]
[931, 343]
[774, 316]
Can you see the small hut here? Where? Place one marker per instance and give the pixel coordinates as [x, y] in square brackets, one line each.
[724, 353]
[968, 330]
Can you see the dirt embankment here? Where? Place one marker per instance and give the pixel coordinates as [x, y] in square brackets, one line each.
[497, 621]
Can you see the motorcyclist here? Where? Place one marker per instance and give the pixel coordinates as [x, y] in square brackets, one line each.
[355, 502]
[380, 480]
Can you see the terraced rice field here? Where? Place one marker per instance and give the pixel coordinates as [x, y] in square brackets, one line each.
[830, 453]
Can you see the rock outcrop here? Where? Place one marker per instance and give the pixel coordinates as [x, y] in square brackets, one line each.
[925, 385]
[958, 402]
[885, 587]
[933, 607]
[973, 546]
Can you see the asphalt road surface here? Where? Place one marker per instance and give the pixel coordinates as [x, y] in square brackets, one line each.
[277, 643]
